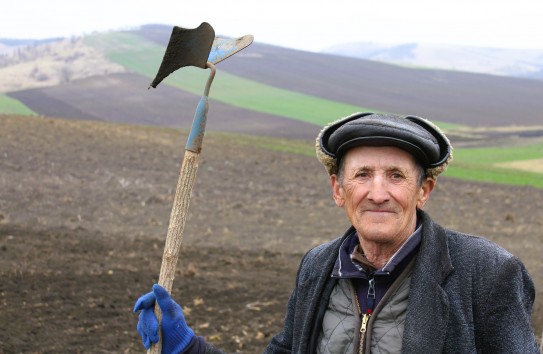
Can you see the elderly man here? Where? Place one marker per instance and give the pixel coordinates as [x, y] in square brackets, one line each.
[395, 282]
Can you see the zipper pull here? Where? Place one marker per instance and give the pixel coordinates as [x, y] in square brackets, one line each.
[371, 296]
[371, 288]
[364, 326]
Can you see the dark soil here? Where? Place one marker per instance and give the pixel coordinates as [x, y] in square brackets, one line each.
[84, 209]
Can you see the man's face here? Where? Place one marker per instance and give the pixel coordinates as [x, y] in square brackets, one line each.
[380, 194]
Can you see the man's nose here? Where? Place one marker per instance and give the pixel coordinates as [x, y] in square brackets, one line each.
[378, 192]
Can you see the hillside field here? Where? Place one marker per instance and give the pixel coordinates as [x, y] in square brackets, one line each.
[85, 207]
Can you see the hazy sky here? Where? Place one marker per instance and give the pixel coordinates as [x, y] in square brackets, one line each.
[304, 24]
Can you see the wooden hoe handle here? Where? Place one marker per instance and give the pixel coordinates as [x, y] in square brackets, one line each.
[175, 231]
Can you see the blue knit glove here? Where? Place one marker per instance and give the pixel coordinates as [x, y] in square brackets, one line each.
[147, 321]
[176, 335]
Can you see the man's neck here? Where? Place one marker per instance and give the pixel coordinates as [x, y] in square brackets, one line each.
[380, 253]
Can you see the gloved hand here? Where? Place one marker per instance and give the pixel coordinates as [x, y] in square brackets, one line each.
[176, 335]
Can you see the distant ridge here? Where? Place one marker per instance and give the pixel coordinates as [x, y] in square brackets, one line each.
[526, 63]
[8, 45]
[20, 42]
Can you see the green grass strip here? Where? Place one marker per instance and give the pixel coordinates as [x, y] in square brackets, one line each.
[493, 155]
[479, 164]
[494, 175]
[290, 146]
[10, 105]
[468, 164]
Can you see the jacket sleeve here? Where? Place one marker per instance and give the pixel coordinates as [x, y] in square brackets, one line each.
[507, 314]
[209, 349]
[283, 342]
[198, 345]
[312, 285]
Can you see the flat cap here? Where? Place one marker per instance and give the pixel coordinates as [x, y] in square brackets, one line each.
[418, 136]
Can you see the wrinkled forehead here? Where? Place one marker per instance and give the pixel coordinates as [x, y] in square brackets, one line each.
[379, 158]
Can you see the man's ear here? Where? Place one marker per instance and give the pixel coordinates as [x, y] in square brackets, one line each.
[337, 191]
[425, 190]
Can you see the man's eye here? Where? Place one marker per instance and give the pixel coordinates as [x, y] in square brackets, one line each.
[397, 176]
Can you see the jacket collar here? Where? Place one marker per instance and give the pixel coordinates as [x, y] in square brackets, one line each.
[428, 315]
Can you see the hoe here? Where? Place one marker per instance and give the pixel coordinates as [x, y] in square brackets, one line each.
[190, 47]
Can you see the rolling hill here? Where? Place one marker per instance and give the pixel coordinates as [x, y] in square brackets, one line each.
[266, 87]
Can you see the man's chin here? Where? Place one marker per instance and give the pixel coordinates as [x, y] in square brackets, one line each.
[378, 217]
[375, 231]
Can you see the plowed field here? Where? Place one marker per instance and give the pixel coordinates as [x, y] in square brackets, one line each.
[84, 208]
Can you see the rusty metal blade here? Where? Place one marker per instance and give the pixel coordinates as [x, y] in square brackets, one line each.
[223, 47]
[187, 47]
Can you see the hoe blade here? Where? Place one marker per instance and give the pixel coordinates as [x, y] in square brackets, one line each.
[187, 47]
[223, 48]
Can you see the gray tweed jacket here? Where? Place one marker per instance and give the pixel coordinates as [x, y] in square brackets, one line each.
[467, 295]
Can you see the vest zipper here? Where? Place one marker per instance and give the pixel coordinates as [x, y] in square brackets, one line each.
[366, 317]
[363, 328]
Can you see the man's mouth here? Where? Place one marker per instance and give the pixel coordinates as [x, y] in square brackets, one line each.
[379, 211]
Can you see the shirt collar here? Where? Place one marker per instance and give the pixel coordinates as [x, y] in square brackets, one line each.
[405, 250]
[346, 267]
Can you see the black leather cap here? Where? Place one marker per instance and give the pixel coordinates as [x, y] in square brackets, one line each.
[413, 134]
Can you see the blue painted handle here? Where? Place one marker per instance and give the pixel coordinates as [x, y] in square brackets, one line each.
[196, 136]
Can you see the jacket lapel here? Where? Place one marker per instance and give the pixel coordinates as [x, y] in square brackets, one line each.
[428, 312]
[315, 290]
